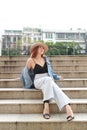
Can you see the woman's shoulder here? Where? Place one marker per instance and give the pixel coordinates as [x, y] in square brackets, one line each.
[29, 60]
[29, 63]
[44, 56]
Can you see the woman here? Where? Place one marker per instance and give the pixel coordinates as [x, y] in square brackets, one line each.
[44, 80]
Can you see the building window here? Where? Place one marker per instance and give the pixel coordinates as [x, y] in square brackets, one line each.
[39, 39]
[35, 39]
[49, 35]
[60, 35]
[70, 36]
[14, 39]
[24, 39]
[77, 36]
[82, 36]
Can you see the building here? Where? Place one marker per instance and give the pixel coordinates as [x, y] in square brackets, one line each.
[63, 36]
[78, 36]
[11, 38]
[29, 35]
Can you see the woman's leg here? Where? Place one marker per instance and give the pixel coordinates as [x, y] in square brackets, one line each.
[69, 113]
[46, 110]
[60, 97]
[45, 85]
[63, 100]
[51, 90]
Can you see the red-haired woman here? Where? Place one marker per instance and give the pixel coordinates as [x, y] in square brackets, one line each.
[44, 80]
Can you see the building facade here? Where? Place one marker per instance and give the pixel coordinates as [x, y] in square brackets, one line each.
[78, 36]
[11, 38]
[29, 35]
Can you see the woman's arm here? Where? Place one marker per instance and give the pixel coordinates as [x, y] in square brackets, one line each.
[25, 77]
[30, 63]
[51, 72]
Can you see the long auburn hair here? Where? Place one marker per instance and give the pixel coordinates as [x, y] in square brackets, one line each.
[35, 52]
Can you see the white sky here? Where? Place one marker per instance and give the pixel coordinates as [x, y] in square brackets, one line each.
[47, 14]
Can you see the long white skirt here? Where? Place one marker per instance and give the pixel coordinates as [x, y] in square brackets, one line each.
[51, 90]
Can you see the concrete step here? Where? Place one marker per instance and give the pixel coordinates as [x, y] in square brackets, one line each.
[13, 62]
[74, 61]
[10, 83]
[68, 57]
[12, 58]
[79, 82]
[9, 75]
[53, 62]
[65, 74]
[37, 122]
[57, 60]
[71, 83]
[72, 74]
[69, 67]
[55, 57]
[11, 68]
[57, 68]
[36, 106]
[20, 93]
[68, 62]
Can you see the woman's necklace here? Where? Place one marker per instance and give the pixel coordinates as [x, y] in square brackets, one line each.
[40, 61]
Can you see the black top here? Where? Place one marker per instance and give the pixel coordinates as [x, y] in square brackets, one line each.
[38, 69]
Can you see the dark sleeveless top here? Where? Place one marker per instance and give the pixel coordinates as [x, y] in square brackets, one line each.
[38, 69]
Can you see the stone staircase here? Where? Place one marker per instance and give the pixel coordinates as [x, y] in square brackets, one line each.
[21, 109]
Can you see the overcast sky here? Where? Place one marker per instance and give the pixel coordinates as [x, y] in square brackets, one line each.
[46, 14]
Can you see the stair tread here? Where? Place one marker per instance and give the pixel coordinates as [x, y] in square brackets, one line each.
[35, 101]
[22, 89]
[63, 71]
[56, 65]
[65, 79]
[39, 118]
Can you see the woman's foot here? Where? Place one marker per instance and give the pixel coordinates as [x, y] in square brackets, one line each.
[69, 118]
[69, 113]
[46, 116]
[46, 111]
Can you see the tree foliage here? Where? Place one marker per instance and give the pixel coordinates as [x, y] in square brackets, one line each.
[58, 48]
[63, 48]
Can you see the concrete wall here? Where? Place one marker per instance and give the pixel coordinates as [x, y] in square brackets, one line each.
[0, 47]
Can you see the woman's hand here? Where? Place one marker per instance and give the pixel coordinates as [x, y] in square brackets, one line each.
[61, 78]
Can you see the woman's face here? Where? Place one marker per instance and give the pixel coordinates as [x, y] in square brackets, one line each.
[41, 50]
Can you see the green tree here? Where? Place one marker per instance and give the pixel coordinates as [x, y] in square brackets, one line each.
[63, 48]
